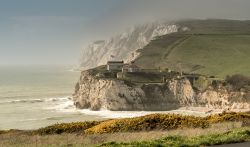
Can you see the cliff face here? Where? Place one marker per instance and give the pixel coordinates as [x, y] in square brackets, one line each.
[124, 45]
[94, 93]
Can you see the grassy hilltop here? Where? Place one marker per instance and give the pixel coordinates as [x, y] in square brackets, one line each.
[210, 47]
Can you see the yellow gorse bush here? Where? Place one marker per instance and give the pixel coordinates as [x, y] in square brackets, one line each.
[143, 123]
[148, 122]
[66, 128]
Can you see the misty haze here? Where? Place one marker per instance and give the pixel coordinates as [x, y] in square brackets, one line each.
[124, 73]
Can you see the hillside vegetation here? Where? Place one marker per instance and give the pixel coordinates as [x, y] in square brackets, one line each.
[234, 136]
[210, 47]
[143, 123]
[149, 130]
[221, 133]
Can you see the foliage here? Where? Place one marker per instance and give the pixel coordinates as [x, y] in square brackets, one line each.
[143, 77]
[233, 116]
[74, 127]
[96, 70]
[143, 123]
[238, 81]
[201, 83]
[247, 96]
[163, 122]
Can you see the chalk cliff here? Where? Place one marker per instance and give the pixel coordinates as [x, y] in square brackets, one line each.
[112, 94]
[123, 46]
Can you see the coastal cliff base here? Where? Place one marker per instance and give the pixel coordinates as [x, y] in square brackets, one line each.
[96, 93]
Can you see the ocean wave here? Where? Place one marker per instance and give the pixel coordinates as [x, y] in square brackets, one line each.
[130, 114]
[118, 114]
[64, 106]
[54, 99]
[33, 119]
[40, 119]
[23, 101]
[67, 106]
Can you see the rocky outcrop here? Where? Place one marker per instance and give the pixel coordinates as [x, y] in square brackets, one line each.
[124, 45]
[112, 94]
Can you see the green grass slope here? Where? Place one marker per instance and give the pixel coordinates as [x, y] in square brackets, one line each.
[211, 47]
[229, 137]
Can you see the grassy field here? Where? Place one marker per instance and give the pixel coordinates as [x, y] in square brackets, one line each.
[212, 47]
[234, 136]
[215, 54]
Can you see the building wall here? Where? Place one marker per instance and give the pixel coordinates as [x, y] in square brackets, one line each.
[133, 69]
[114, 66]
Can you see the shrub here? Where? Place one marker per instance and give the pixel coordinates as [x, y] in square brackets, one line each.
[74, 127]
[148, 122]
[143, 123]
[233, 116]
[238, 81]
[201, 83]
[163, 122]
[247, 96]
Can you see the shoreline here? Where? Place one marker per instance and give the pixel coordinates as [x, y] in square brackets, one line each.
[192, 111]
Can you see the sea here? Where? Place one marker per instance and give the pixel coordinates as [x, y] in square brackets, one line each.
[37, 96]
[32, 97]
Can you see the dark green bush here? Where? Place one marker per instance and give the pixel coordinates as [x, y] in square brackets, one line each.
[201, 83]
[238, 81]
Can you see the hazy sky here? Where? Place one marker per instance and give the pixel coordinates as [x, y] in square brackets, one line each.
[54, 31]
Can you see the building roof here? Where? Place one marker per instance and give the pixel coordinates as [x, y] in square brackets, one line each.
[115, 62]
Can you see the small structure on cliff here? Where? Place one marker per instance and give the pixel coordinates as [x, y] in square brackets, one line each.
[130, 68]
[115, 65]
[120, 66]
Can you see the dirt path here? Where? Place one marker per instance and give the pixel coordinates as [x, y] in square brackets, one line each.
[176, 44]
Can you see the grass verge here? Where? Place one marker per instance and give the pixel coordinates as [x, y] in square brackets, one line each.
[177, 141]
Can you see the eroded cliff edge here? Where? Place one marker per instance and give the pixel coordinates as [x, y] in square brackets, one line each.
[95, 93]
[124, 45]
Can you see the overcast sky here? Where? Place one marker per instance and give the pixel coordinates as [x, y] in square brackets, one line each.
[54, 31]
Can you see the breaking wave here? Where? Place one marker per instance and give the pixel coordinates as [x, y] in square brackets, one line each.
[40, 119]
[68, 107]
[57, 99]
